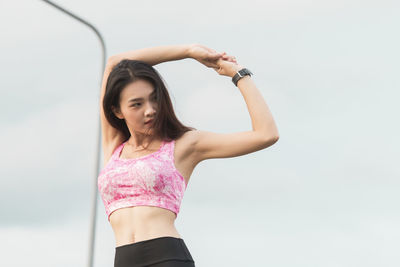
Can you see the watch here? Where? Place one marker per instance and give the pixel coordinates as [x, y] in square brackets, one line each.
[240, 74]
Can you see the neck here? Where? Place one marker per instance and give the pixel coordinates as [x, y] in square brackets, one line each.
[140, 143]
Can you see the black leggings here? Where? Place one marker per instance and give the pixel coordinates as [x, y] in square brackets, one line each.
[166, 251]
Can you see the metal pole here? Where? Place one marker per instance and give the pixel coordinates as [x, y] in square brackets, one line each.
[97, 154]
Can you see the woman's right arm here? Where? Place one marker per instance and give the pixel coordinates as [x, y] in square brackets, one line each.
[154, 55]
[111, 137]
[158, 54]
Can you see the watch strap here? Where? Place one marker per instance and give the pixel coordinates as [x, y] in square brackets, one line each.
[240, 74]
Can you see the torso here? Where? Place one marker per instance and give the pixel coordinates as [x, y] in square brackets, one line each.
[134, 224]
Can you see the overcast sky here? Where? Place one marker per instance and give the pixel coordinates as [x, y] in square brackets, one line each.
[326, 194]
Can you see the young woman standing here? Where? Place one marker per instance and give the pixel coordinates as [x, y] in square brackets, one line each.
[149, 155]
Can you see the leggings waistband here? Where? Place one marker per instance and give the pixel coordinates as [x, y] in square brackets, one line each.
[152, 251]
[139, 243]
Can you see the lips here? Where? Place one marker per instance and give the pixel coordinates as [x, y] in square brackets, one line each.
[148, 121]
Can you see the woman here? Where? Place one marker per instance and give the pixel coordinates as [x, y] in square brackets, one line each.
[149, 154]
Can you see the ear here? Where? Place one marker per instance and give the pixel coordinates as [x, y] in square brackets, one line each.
[117, 112]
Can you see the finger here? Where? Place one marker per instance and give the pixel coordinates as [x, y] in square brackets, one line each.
[228, 59]
[211, 63]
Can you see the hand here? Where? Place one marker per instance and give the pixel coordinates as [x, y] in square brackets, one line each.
[227, 66]
[229, 58]
[204, 55]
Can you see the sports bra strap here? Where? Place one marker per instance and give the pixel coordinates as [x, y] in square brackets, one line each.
[117, 151]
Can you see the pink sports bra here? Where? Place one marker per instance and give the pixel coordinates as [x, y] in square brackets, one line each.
[149, 180]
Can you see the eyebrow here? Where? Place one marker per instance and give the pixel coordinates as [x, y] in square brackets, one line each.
[139, 98]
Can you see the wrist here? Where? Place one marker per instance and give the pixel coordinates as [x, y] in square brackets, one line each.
[235, 70]
[188, 50]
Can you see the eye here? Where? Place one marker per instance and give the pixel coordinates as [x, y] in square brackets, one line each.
[135, 104]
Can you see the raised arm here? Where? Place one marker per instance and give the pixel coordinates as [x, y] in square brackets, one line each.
[264, 131]
[158, 54]
[111, 137]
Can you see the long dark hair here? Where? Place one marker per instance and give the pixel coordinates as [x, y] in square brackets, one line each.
[166, 124]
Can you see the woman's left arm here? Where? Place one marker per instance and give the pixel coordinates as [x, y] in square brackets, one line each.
[264, 133]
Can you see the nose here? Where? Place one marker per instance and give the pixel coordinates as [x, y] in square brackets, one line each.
[150, 110]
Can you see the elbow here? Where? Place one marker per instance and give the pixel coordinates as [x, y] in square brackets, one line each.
[274, 139]
[270, 140]
[112, 61]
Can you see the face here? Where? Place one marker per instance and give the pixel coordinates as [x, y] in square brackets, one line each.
[138, 104]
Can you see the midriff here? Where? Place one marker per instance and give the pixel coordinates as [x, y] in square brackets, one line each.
[139, 223]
